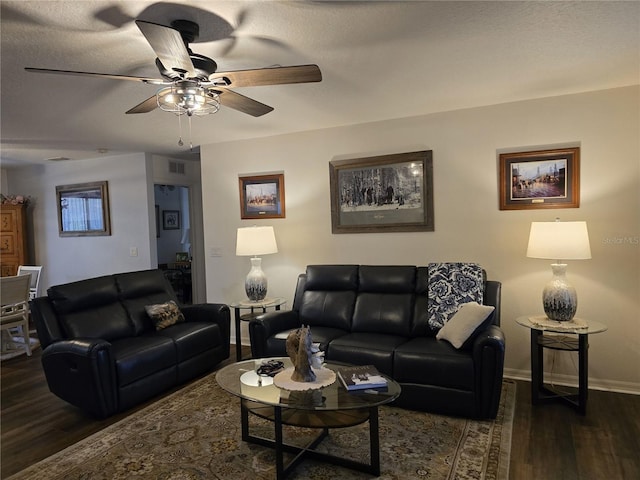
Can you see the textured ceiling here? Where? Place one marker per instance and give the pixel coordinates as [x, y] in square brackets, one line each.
[379, 60]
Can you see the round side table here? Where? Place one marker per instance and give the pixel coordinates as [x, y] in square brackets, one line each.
[570, 336]
[255, 309]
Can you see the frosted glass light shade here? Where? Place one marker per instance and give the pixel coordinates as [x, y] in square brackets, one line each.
[256, 241]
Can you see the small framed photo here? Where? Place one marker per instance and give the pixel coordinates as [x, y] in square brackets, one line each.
[262, 196]
[182, 256]
[170, 219]
[540, 179]
[388, 193]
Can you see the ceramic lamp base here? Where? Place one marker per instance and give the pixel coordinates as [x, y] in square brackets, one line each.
[255, 285]
[559, 299]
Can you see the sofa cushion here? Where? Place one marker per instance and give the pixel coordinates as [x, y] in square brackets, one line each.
[321, 335]
[364, 349]
[139, 289]
[91, 309]
[383, 313]
[332, 309]
[387, 278]
[450, 285]
[465, 323]
[193, 338]
[164, 315]
[332, 277]
[139, 357]
[428, 361]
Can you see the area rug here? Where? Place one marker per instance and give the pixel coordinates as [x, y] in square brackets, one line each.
[195, 434]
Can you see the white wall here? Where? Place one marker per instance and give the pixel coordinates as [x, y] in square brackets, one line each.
[67, 259]
[468, 224]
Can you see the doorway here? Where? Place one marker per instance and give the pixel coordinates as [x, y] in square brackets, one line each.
[173, 238]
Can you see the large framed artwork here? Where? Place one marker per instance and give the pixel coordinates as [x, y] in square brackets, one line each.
[540, 179]
[387, 193]
[83, 209]
[262, 196]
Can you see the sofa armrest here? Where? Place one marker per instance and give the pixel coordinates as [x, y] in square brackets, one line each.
[45, 321]
[82, 372]
[211, 312]
[267, 325]
[488, 357]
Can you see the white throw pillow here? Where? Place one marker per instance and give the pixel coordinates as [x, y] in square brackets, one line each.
[465, 321]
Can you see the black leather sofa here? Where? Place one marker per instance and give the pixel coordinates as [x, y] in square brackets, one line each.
[102, 352]
[379, 315]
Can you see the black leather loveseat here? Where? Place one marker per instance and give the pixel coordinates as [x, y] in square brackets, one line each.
[384, 315]
[103, 353]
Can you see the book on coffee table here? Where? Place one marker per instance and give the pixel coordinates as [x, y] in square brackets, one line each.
[360, 377]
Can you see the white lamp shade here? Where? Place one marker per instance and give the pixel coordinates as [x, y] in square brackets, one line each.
[559, 241]
[256, 241]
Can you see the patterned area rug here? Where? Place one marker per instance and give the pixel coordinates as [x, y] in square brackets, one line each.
[195, 434]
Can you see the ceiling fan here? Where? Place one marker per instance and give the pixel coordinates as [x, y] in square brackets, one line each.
[191, 84]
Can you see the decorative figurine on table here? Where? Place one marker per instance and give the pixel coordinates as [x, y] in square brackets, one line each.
[304, 354]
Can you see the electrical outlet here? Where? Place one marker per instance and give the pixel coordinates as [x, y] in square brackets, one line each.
[133, 251]
[215, 252]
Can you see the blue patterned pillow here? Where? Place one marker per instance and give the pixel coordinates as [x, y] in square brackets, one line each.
[450, 285]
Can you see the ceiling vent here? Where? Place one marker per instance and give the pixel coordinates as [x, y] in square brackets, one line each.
[176, 167]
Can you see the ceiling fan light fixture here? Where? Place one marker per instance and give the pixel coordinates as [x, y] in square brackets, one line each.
[188, 98]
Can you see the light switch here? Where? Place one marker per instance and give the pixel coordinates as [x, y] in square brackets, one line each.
[133, 251]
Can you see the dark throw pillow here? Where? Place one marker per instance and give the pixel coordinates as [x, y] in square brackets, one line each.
[164, 315]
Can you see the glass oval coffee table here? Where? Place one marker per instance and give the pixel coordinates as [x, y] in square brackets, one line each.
[323, 408]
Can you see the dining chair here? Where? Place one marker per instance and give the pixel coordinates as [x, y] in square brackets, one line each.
[14, 311]
[34, 271]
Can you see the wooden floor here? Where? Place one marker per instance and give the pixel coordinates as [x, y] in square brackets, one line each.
[549, 442]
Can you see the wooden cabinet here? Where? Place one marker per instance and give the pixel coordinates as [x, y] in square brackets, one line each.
[13, 238]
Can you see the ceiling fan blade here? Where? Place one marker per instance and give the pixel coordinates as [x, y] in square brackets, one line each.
[243, 104]
[154, 81]
[147, 106]
[270, 76]
[169, 47]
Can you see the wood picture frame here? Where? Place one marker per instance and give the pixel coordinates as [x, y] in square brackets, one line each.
[83, 209]
[157, 221]
[262, 196]
[387, 193]
[540, 179]
[170, 219]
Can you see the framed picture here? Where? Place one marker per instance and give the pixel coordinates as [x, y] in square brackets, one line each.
[170, 219]
[157, 221]
[388, 193]
[83, 209]
[262, 196]
[540, 179]
[182, 256]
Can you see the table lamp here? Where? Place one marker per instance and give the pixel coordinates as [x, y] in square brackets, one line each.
[559, 240]
[256, 241]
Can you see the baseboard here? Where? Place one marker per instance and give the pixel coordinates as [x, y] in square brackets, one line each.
[572, 381]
